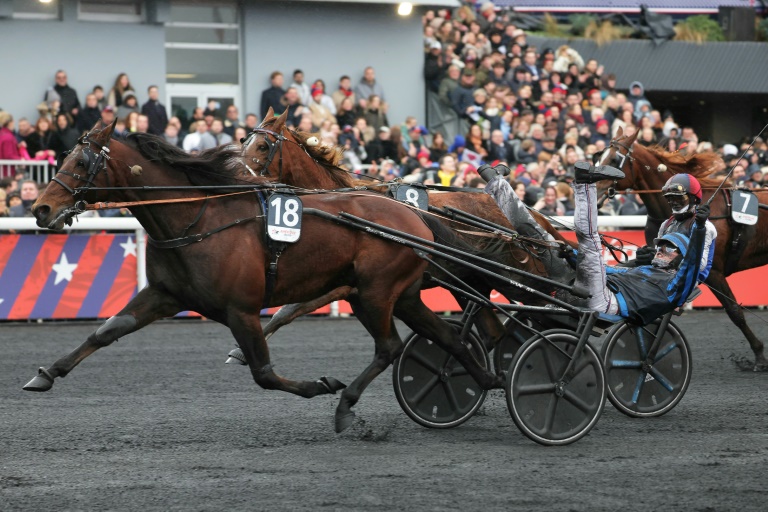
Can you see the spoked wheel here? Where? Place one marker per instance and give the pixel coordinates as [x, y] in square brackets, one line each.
[644, 390]
[546, 409]
[432, 387]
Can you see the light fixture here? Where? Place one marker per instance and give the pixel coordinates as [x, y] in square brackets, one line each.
[45, 1]
[405, 9]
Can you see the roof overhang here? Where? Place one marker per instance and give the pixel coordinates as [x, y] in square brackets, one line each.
[415, 3]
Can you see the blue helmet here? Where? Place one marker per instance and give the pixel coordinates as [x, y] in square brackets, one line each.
[679, 240]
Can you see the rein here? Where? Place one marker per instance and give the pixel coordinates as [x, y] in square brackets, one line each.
[106, 205]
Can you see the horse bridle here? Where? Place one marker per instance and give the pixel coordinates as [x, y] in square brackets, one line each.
[274, 147]
[93, 163]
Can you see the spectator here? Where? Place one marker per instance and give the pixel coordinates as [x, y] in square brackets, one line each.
[497, 147]
[344, 91]
[155, 111]
[39, 141]
[171, 135]
[232, 122]
[433, 66]
[325, 100]
[382, 147]
[142, 124]
[23, 129]
[9, 148]
[272, 97]
[251, 121]
[108, 115]
[199, 139]
[448, 84]
[374, 113]
[131, 122]
[438, 148]
[636, 93]
[602, 132]
[292, 104]
[117, 92]
[217, 131]
[364, 132]
[240, 135]
[447, 169]
[302, 88]
[462, 97]
[346, 113]
[28, 192]
[90, 114]
[130, 104]
[98, 91]
[66, 95]
[367, 87]
[65, 135]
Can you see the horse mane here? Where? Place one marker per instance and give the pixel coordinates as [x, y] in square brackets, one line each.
[329, 156]
[216, 166]
[699, 165]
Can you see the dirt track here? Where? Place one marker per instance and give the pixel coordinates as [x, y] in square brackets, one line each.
[158, 422]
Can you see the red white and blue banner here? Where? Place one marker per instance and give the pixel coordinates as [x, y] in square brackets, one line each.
[85, 276]
[66, 276]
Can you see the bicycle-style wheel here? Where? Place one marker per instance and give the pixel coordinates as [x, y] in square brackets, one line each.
[639, 389]
[432, 387]
[545, 408]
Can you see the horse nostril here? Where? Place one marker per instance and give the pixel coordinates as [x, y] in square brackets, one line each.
[41, 211]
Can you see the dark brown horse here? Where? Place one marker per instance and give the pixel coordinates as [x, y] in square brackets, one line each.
[648, 169]
[224, 276]
[290, 157]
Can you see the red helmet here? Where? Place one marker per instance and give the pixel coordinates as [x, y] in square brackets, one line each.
[681, 184]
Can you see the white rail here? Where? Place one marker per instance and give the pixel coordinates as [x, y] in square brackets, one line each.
[39, 170]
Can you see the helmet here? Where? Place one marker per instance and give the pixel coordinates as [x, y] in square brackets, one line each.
[681, 184]
[679, 240]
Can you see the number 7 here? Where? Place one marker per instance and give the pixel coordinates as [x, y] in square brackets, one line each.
[746, 198]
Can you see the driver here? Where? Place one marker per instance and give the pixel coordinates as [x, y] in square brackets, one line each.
[641, 294]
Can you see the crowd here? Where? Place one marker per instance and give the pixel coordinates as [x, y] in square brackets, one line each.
[538, 110]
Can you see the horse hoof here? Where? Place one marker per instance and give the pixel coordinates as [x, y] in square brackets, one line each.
[236, 356]
[344, 422]
[331, 385]
[43, 381]
[760, 367]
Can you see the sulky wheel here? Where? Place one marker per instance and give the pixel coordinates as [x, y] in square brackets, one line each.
[433, 389]
[543, 406]
[643, 390]
[515, 336]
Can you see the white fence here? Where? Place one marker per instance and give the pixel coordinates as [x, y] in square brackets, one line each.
[39, 170]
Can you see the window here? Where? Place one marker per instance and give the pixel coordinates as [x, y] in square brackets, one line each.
[128, 11]
[26, 10]
[202, 42]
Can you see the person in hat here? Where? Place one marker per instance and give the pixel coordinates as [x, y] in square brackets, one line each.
[601, 133]
[640, 294]
[108, 115]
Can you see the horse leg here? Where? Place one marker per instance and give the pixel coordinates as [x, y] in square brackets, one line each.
[288, 314]
[379, 322]
[248, 333]
[717, 282]
[149, 305]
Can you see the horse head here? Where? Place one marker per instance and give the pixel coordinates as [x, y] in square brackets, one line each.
[83, 167]
[279, 153]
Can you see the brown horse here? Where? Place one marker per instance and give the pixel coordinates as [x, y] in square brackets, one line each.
[224, 277]
[287, 156]
[648, 169]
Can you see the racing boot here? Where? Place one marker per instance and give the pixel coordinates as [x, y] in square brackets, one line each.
[587, 173]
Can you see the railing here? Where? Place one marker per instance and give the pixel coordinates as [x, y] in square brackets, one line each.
[39, 170]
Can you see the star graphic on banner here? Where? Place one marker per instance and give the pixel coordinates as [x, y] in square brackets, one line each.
[2, 300]
[129, 247]
[63, 269]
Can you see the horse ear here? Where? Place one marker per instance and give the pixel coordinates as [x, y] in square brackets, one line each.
[633, 138]
[619, 133]
[280, 121]
[106, 133]
[269, 115]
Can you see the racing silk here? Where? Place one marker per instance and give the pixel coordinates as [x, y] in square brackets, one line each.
[646, 293]
[672, 225]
